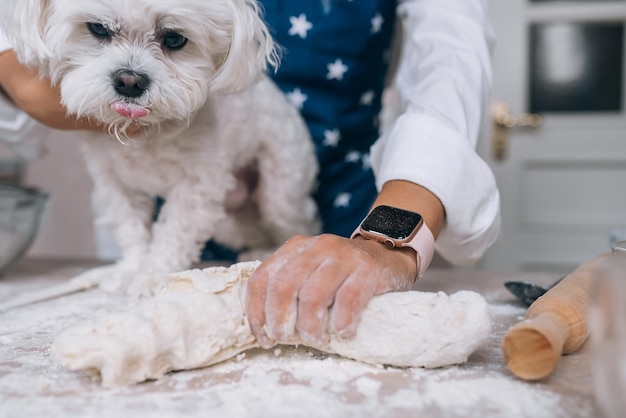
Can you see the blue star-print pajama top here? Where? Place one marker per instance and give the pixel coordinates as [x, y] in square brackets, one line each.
[333, 68]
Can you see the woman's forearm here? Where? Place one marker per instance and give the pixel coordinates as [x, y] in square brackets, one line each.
[410, 196]
[36, 96]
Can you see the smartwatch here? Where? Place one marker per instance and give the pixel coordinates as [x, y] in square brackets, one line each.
[399, 228]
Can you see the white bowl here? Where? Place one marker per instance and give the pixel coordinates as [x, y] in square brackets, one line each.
[21, 212]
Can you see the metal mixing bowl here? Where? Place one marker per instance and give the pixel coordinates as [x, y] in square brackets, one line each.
[21, 213]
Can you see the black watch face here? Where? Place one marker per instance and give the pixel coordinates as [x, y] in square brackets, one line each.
[391, 222]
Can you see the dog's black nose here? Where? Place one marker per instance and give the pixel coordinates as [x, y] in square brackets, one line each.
[130, 83]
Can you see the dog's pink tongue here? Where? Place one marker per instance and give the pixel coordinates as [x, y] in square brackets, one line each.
[129, 110]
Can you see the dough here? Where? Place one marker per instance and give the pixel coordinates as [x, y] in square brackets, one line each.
[198, 320]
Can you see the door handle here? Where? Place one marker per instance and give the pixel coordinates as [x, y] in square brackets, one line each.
[503, 121]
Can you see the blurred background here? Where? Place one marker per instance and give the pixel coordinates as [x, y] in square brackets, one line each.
[555, 139]
[562, 175]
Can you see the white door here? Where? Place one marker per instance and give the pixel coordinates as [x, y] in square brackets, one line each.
[563, 184]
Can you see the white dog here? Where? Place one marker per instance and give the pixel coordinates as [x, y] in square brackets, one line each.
[191, 74]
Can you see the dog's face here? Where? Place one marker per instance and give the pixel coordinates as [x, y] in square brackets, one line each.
[144, 60]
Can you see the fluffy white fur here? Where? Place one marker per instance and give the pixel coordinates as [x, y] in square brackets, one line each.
[208, 114]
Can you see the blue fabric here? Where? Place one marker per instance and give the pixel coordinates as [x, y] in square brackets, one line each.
[334, 61]
[356, 34]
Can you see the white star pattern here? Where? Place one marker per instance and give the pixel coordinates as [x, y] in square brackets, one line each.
[299, 26]
[332, 138]
[297, 98]
[326, 6]
[336, 70]
[387, 55]
[377, 23]
[367, 98]
[342, 200]
[353, 157]
[366, 161]
[339, 69]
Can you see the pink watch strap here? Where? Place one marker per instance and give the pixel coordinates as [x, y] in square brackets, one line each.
[423, 243]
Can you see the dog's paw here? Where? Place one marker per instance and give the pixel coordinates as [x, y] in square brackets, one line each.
[122, 278]
[146, 283]
[108, 278]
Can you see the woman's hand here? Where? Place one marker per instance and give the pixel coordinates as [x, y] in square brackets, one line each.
[315, 285]
[36, 96]
[41, 100]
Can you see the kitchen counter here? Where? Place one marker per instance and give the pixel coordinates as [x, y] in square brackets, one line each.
[281, 382]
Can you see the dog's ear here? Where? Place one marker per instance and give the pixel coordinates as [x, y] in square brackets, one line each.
[23, 23]
[251, 50]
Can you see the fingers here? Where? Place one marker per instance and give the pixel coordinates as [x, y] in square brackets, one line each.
[350, 301]
[313, 285]
[281, 306]
[301, 290]
[316, 296]
[257, 301]
[255, 306]
[374, 269]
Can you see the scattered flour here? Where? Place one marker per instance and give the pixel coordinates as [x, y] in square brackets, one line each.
[284, 382]
[198, 320]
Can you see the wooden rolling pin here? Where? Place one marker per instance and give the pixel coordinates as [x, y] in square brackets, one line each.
[555, 324]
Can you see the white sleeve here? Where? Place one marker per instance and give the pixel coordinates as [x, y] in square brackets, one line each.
[20, 132]
[444, 81]
[4, 44]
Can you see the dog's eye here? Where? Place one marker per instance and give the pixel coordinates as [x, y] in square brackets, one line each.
[174, 41]
[98, 30]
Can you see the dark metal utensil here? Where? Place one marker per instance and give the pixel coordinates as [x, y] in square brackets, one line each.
[528, 292]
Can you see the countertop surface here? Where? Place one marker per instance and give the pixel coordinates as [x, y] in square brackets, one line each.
[281, 382]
